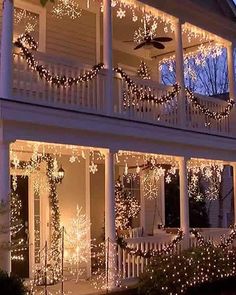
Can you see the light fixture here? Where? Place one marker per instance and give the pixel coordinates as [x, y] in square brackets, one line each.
[61, 174]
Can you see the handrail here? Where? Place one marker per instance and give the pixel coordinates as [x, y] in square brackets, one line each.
[57, 59]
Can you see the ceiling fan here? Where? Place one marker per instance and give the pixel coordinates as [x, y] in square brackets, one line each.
[146, 37]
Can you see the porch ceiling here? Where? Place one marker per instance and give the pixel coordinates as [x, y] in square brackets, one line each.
[124, 28]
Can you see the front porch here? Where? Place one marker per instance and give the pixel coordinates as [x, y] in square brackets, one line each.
[67, 190]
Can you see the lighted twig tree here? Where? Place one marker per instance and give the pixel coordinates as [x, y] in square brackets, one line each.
[143, 71]
[78, 243]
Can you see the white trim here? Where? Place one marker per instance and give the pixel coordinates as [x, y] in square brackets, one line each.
[42, 20]
[98, 36]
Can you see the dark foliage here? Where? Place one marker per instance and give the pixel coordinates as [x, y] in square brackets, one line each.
[220, 287]
[195, 271]
[12, 285]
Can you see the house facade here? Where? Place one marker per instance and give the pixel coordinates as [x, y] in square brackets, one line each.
[85, 93]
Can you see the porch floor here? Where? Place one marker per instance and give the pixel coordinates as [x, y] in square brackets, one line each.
[84, 287]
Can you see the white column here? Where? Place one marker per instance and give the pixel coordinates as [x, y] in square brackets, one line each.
[180, 72]
[5, 254]
[88, 211]
[234, 183]
[142, 204]
[184, 200]
[231, 77]
[107, 53]
[110, 231]
[6, 49]
[162, 199]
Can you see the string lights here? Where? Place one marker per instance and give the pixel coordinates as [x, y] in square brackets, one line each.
[206, 111]
[44, 73]
[67, 8]
[167, 250]
[18, 244]
[127, 207]
[77, 244]
[143, 71]
[200, 56]
[206, 174]
[176, 274]
[137, 13]
[225, 241]
[28, 19]
[135, 93]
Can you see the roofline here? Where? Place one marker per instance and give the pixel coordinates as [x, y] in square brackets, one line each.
[232, 6]
[194, 14]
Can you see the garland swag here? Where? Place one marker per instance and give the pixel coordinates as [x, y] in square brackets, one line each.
[152, 252]
[131, 97]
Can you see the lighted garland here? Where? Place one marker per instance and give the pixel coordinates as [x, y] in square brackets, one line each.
[206, 111]
[137, 93]
[26, 43]
[131, 97]
[152, 252]
[33, 164]
[224, 243]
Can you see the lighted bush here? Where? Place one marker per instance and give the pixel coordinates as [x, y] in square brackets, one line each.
[11, 285]
[177, 273]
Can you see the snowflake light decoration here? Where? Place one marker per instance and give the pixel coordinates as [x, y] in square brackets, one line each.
[150, 189]
[72, 159]
[28, 19]
[93, 168]
[147, 30]
[168, 179]
[67, 8]
[212, 192]
[207, 175]
[120, 13]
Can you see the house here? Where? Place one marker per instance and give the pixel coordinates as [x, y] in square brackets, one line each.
[76, 113]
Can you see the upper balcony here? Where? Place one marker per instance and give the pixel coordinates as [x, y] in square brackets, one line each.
[72, 40]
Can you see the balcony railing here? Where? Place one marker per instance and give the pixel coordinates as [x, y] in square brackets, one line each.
[90, 97]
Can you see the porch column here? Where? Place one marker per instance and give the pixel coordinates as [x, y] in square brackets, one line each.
[110, 231]
[5, 254]
[184, 200]
[234, 184]
[88, 212]
[180, 73]
[6, 49]
[107, 54]
[231, 77]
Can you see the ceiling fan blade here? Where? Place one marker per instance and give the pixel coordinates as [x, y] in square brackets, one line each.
[140, 45]
[158, 45]
[163, 39]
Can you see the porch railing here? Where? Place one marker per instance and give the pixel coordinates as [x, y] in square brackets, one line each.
[132, 266]
[90, 96]
[28, 86]
[198, 121]
[165, 114]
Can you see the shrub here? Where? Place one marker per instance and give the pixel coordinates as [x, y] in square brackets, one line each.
[11, 285]
[175, 274]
